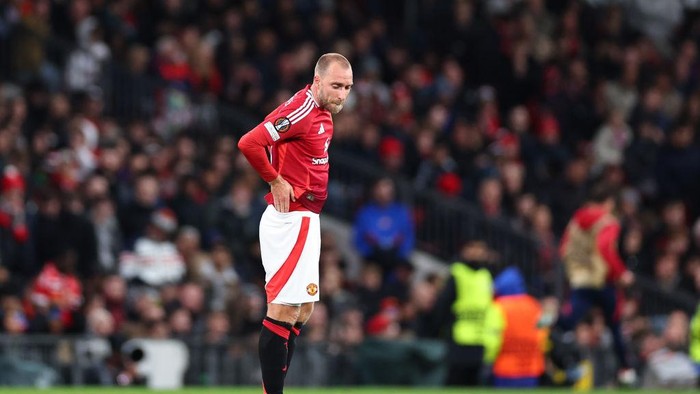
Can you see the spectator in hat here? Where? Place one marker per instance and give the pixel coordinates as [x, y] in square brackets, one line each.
[520, 361]
[392, 154]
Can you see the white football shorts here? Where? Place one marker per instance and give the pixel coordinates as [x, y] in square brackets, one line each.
[290, 247]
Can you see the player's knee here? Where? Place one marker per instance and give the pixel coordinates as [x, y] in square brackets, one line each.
[286, 313]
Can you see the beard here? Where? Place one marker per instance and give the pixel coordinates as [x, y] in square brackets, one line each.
[329, 105]
[334, 108]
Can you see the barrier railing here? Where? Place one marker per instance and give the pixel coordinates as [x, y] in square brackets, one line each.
[46, 360]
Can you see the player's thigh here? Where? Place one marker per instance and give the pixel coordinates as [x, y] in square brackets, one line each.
[279, 233]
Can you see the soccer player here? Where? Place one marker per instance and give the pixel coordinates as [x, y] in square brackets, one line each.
[296, 135]
[595, 270]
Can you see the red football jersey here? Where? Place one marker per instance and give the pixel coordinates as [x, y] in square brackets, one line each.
[299, 133]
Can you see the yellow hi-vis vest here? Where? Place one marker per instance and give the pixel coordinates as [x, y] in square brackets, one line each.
[472, 305]
[695, 337]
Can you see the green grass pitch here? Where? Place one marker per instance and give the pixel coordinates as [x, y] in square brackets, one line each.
[295, 390]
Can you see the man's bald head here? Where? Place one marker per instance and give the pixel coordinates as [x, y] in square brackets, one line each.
[332, 81]
[325, 61]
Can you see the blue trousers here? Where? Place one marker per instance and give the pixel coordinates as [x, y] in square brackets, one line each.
[607, 299]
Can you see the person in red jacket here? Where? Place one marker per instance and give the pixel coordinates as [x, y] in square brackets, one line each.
[595, 270]
[296, 135]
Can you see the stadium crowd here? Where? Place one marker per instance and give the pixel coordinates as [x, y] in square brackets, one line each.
[126, 210]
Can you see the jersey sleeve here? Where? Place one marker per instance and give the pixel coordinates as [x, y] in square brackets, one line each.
[607, 244]
[252, 145]
[290, 120]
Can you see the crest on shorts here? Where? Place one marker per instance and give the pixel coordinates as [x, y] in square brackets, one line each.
[312, 289]
[282, 124]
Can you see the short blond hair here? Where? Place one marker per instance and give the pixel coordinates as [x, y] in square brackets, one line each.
[327, 59]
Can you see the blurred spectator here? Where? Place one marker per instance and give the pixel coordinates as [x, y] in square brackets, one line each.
[190, 203]
[610, 142]
[666, 271]
[547, 248]
[383, 327]
[134, 89]
[57, 294]
[18, 257]
[569, 193]
[85, 64]
[522, 339]
[188, 244]
[218, 327]
[333, 284]
[107, 235]
[29, 41]
[369, 291]
[236, 218]
[62, 224]
[221, 277]
[114, 292]
[392, 155]
[14, 319]
[180, 323]
[154, 260]
[461, 311]
[247, 312]
[490, 198]
[666, 367]
[690, 277]
[191, 298]
[136, 214]
[420, 301]
[678, 166]
[383, 229]
[431, 170]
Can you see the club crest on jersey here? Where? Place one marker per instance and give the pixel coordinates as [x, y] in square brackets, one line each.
[312, 289]
[282, 124]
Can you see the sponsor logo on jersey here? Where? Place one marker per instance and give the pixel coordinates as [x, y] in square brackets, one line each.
[321, 130]
[317, 161]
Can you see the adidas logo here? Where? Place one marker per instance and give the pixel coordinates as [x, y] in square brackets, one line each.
[321, 130]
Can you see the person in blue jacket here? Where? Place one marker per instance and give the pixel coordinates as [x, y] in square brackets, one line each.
[384, 229]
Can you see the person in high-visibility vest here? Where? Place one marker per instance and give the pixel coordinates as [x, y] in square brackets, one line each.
[520, 361]
[695, 339]
[464, 314]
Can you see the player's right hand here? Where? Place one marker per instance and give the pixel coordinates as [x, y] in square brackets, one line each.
[282, 193]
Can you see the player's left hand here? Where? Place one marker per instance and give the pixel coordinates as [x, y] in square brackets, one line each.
[282, 193]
